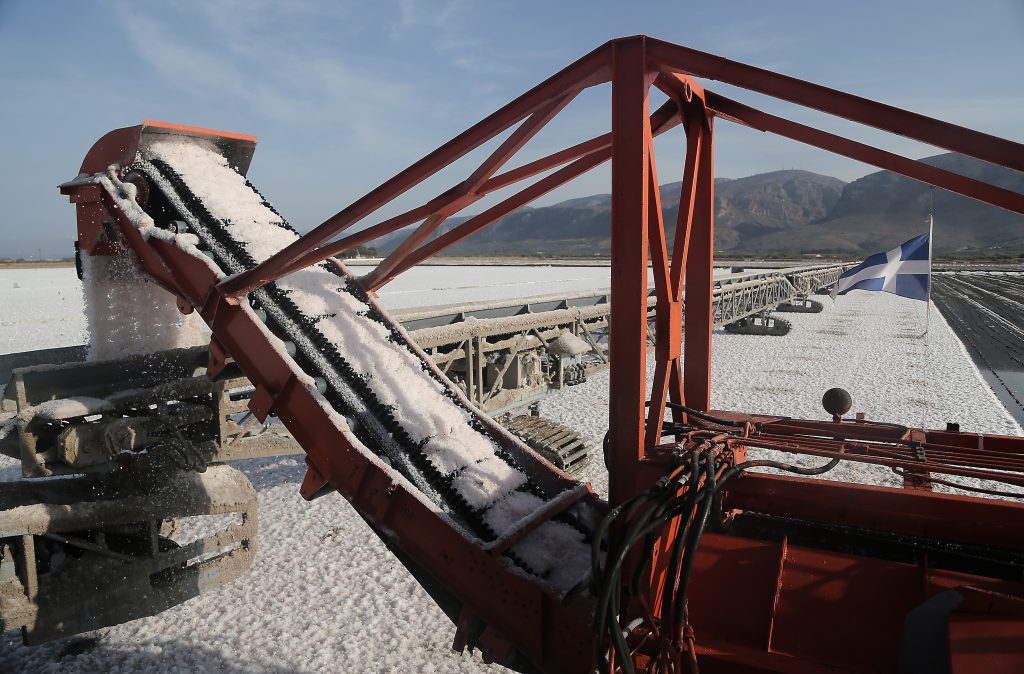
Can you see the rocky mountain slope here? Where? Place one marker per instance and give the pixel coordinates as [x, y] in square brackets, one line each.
[883, 209]
[783, 212]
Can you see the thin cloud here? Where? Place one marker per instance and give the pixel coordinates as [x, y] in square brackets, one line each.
[418, 14]
[288, 86]
[446, 27]
[748, 39]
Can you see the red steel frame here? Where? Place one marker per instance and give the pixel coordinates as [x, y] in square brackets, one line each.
[632, 65]
[735, 632]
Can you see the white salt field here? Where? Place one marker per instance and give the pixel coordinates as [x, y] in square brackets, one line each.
[325, 595]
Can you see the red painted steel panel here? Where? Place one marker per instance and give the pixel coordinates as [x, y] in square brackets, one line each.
[944, 516]
[972, 639]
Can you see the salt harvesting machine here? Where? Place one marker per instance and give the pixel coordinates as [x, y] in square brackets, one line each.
[710, 553]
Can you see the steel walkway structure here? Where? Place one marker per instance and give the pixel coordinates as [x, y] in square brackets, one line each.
[735, 296]
[489, 348]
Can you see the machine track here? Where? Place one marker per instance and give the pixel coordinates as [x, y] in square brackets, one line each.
[311, 337]
[559, 444]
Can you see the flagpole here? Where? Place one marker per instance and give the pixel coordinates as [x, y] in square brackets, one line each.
[928, 306]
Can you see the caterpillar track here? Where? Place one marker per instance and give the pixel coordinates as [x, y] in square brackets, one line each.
[760, 325]
[559, 444]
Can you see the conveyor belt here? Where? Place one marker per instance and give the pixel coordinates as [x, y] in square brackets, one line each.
[314, 311]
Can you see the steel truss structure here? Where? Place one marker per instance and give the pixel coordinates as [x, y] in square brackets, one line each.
[760, 600]
[633, 65]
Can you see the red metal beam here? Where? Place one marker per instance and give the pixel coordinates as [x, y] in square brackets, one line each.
[698, 269]
[539, 166]
[675, 58]
[631, 81]
[515, 142]
[590, 70]
[687, 201]
[695, 224]
[378, 276]
[661, 121]
[370, 233]
[498, 211]
[932, 175]
[665, 318]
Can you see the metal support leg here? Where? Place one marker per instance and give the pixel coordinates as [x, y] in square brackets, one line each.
[699, 283]
[630, 84]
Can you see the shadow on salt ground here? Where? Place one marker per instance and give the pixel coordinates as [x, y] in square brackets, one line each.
[273, 471]
[10, 473]
[264, 473]
[90, 653]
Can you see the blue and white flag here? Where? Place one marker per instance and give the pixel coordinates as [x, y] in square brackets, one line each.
[904, 270]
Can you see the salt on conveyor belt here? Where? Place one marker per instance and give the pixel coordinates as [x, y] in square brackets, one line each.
[397, 377]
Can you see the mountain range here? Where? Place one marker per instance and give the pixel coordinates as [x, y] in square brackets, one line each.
[782, 212]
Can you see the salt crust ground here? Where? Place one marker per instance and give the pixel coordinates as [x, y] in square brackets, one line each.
[42, 308]
[868, 343]
[325, 595]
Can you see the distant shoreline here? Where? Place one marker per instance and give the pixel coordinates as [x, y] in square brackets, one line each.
[570, 261]
[941, 263]
[29, 264]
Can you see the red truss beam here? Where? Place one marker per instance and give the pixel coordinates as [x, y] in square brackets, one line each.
[527, 130]
[590, 70]
[499, 210]
[667, 271]
[631, 80]
[455, 198]
[672, 58]
[932, 175]
[662, 121]
[596, 151]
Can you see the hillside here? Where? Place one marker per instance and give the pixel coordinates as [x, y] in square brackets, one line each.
[783, 212]
[883, 209]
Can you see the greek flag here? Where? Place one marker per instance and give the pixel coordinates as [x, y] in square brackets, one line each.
[904, 270]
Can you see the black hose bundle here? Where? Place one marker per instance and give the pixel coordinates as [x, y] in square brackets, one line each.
[643, 518]
[703, 416]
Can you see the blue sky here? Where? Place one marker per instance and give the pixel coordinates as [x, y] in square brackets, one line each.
[345, 94]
